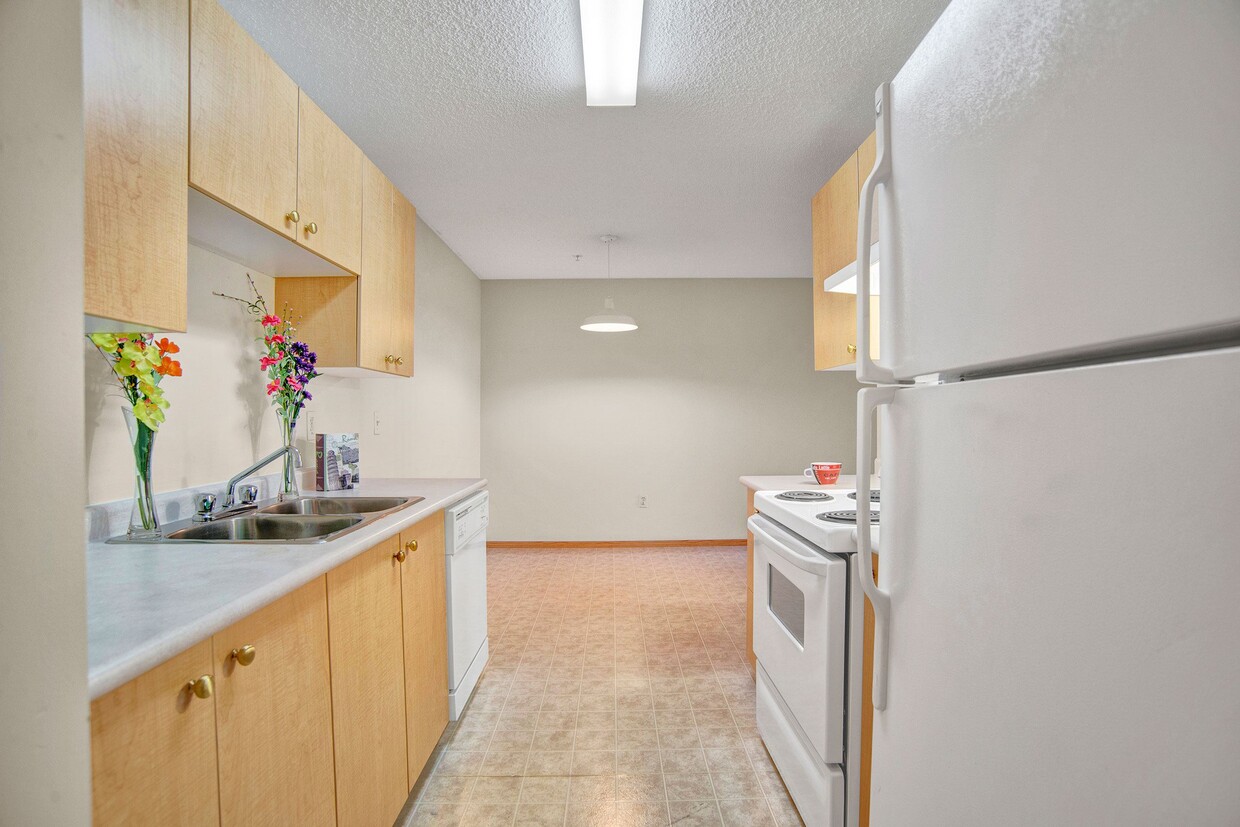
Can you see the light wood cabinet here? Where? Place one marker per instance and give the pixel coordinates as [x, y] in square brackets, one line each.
[152, 756]
[368, 686]
[426, 639]
[243, 121]
[135, 74]
[385, 302]
[833, 213]
[329, 188]
[274, 715]
[749, 654]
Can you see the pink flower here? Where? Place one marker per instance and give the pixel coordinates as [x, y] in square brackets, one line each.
[275, 338]
[294, 384]
[270, 320]
[267, 362]
[273, 387]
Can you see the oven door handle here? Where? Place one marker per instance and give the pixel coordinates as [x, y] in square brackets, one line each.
[786, 547]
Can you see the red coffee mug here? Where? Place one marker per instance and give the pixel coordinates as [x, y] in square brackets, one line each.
[825, 473]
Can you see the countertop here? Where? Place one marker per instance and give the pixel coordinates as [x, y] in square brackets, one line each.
[787, 483]
[149, 602]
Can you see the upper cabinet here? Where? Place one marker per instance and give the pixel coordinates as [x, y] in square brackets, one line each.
[243, 122]
[261, 145]
[833, 214]
[135, 73]
[385, 304]
[329, 188]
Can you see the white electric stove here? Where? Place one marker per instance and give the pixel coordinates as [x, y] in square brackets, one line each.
[808, 621]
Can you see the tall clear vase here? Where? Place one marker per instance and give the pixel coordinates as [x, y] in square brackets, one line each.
[288, 477]
[143, 519]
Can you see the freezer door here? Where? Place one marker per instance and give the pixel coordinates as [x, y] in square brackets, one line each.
[1062, 555]
[1063, 180]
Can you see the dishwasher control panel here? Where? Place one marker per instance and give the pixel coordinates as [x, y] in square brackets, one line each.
[468, 518]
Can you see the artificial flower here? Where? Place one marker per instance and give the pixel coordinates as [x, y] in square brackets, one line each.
[166, 347]
[168, 367]
[270, 320]
[139, 364]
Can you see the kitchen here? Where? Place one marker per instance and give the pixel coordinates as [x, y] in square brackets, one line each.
[582, 577]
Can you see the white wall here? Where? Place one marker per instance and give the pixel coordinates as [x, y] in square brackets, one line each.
[220, 421]
[717, 382]
[44, 746]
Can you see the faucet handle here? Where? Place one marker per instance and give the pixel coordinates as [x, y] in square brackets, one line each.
[247, 494]
[204, 504]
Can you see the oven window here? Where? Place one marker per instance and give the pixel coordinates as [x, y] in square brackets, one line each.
[787, 603]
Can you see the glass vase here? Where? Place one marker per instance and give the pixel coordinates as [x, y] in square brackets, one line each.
[288, 477]
[143, 519]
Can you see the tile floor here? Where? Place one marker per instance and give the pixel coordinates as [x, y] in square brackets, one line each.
[617, 694]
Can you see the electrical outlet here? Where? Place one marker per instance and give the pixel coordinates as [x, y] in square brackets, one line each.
[310, 422]
[376, 423]
[641, 501]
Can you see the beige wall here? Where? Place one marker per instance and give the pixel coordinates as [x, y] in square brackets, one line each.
[44, 753]
[219, 420]
[717, 382]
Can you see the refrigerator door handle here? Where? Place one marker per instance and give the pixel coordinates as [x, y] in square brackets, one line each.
[868, 401]
[868, 371]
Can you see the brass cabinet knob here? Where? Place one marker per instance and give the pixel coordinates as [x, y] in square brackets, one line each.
[243, 656]
[389, 359]
[401, 556]
[202, 687]
[411, 546]
[293, 216]
[852, 349]
[312, 228]
[400, 360]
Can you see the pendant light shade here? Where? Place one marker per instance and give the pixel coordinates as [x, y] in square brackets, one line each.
[609, 321]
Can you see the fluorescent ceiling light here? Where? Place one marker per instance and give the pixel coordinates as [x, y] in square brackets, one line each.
[611, 39]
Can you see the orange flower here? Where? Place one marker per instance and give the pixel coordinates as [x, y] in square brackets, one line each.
[169, 367]
[166, 347]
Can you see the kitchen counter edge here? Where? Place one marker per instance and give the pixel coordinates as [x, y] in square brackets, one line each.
[126, 660]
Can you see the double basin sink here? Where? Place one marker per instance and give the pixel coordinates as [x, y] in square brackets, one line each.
[302, 520]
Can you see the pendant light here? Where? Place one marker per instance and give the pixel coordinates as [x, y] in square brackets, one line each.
[609, 321]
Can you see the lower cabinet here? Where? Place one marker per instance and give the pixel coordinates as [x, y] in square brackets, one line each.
[274, 714]
[152, 756]
[368, 686]
[426, 639]
[321, 708]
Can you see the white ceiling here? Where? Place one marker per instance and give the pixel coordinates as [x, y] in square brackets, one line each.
[476, 109]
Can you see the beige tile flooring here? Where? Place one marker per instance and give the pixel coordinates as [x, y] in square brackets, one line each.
[617, 694]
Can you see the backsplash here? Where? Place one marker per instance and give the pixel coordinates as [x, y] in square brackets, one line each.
[111, 519]
[220, 421]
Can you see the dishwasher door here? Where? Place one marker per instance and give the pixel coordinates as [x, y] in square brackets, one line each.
[466, 550]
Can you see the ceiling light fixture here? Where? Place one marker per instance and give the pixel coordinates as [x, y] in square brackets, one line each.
[609, 321]
[611, 40]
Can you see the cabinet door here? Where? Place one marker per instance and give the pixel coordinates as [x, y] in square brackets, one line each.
[834, 215]
[385, 288]
[243, 121]
[368, 686]
[426, 639]
[329, 188]
[274, 716]
[152, 748]
[135, 73]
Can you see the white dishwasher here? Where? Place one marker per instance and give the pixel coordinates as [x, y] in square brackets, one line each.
[466, 549]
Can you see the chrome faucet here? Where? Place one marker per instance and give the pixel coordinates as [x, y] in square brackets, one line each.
[229, 498]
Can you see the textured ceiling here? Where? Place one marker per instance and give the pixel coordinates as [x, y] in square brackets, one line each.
[477, 111]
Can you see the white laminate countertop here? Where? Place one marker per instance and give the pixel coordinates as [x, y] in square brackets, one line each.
[147, 602]
[787, 483]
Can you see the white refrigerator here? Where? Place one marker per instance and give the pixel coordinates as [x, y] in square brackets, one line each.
[1058, 605]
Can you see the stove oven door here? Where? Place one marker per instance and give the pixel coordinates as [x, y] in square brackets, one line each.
[799, 631]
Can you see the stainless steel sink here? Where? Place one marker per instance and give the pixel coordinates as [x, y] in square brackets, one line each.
[339, 505]
[267, 528]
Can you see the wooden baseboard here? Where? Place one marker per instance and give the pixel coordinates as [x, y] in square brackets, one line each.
[612, 543]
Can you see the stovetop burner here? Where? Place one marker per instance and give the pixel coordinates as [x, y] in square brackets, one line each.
[852, 495]
[845, 516]
[805, 496]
